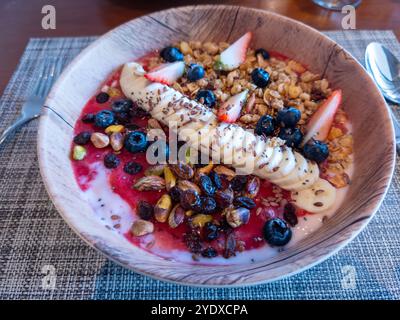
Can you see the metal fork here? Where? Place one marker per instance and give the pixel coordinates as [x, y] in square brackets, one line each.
[33, 104]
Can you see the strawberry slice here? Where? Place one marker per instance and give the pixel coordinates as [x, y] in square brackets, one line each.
[231, 108]
[319, 125]
[233, 56]
[166, 73]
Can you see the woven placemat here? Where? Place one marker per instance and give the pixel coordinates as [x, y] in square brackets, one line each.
[35, 241]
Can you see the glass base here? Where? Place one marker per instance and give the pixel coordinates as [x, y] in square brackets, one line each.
[336, 4]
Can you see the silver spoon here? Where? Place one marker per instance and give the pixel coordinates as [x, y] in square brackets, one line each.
[384, 69]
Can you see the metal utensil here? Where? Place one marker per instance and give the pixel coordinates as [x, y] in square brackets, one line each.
[33, 104]
[384, 69]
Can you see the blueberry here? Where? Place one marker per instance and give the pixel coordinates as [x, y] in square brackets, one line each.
[82, 138]
[265, 126]
[145, 210]
[292, 136]
[122, 105]
[195, 72]
[206, 185]
[102, 97]
[238, 183]
[277, 232]
[209, 252]
[132, 167]
[206, 97]
[104, 118]
[288, 117]
[316, 150]
[111, 161]
[264, 53]
[260, 77]
[88, 118]
[210, 231]
[156, 147]
[171, 54]
[135, 141]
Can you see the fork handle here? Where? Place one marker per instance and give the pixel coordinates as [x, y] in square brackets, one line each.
[14, 127]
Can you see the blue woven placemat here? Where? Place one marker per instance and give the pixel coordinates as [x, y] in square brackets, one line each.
[41, 258]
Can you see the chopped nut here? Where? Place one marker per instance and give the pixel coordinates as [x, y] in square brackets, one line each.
[340, 180]
[188, 185]
[237, 216]
[79, 153]
[230, 174]
[250, 103]
[176, 216]
[170, 179]
[100, 140]
[252, 187]
[163, 208]
[114, 92]
[117, 141]
[249, 118]
[142, 227]
[182, 170]
[334, 133]
[199, 220]
[156, 170]
[206, 169]
[114, 128]
[150, 183]
[185, 48]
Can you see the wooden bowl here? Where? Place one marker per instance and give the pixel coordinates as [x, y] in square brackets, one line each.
[374, 149]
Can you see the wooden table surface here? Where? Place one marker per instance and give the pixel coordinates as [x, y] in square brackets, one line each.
[21, 19]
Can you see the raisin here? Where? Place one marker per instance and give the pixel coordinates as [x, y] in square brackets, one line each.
[122, 105]
[137, 112]
[111, 161]
[82, 138]
[207, 205]
[190, 199]
[216, 179]
[289, 214]
[210, 231]
[145, 210]
[193, 241]
[244, 202]
[88, 118]
[209, 252]
[132, 167]
[206, 185]
[102, 97]
[238, 183]
[122, 117]
[175, 194]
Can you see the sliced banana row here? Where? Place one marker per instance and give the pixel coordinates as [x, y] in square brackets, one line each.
[231, 144]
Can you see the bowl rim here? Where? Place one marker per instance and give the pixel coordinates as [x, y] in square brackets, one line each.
[314, 261]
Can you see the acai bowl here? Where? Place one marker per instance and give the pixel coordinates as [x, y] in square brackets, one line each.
[279, 187]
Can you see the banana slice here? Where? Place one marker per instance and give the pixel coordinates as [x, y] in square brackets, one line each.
[296, 174]
[306, 181]
[320, 197]
[285, 166]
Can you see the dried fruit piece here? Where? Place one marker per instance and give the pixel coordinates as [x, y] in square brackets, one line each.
[289, 214]
[207, 205]
[99, 140]
[176, 217]
[237, 216]
[175, 194]
[150, 183]
[114, 128]
[215, 178]
[117, 141]
[252, 187]
[222, 170]
[206, 169]
[170, 179]
[224, 198]
[163, 208]
[188, 185]
[200, 220]
[244, 202]
[189, 199]
[182, 170]
[238, 183]
[82, 138]
[145, 210]
[142, 227]
[209, 252]
[79, 153]
[230, 245]
[156, 170]
[210, 231]
[193, 241]
[206, 185]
